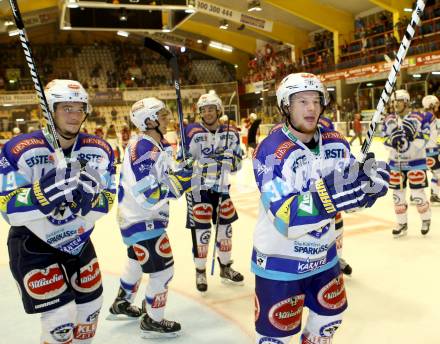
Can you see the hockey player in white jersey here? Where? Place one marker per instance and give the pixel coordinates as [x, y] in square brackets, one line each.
[205, 143]
[406, 135]
[431, 106]
[148, 181]
[305, 174]
[52, 211]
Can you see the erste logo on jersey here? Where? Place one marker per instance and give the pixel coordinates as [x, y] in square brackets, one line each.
[141, 253]
[286, 315]
[43, 284]
[90, 276]
[332, 295]
[163, 246]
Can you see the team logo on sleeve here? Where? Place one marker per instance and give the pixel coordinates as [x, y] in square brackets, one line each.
[163, 246]
[90, 276]
[141, 253]
[43, 284]
[286, 314]
[332, 295]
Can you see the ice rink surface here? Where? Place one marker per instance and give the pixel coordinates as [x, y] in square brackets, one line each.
[392, 294]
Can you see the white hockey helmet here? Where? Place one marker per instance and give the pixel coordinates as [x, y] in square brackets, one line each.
[300, 82]
[63, 90]
[429, 102]
[145, 109]
[253, 116]
[401, 95]
[210, 98]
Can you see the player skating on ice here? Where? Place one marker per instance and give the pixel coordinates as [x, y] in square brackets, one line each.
[148, 181]
[305, 174]
[406, 135]
[52, 207]
[206, 143]
[431, 106]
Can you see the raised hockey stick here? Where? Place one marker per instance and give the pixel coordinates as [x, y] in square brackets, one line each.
[214, 251]
[172, 60]
[59, 156]
[389, 85]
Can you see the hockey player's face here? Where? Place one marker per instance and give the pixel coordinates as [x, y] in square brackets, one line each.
[305, 108]
[399, 106]
[68, 117]
[209, 114]
[164, 120]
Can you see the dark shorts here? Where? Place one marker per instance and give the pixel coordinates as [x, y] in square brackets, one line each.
[200, 214]
[417, 179]
[279, 304]
[47, 277]
[153, 255]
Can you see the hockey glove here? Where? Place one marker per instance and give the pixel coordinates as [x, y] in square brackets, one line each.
[351, 187]
[179, 181]
[226, 161]
[399, 140]
[54, 188]
[410, 129]
[89, 188]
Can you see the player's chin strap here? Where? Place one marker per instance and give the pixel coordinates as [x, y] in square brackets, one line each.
[157, 129]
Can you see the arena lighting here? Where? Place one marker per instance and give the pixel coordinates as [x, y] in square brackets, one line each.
[235, 66]
[182, 49]
[165, 28]
[224, 25]
[407, 9]
[19, 120]
[123, 33]
[199, 41]
[167, 47]
[331, 89]
[369, 84]
[417, 75]
[7, 104]
[254, 5]
[221, 46]
[72, 4]
[8, 23]
[123, 15]
[67, 27]
[435, 73]
[13, 33]
[191, 9]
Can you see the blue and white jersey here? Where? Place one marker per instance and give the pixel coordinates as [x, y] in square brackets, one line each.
[144, 194]
[412, 157]
[204, 144]
[292, 240]
[431, 122]
[24, 159]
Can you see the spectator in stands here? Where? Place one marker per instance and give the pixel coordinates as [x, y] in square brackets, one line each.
[99, 132]
[125, 136]
[357, 128]
[112, 138]
[114, 114]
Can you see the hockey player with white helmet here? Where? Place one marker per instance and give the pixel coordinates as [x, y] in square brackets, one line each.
[406, 134]
[431, 106]
[206, 143]
[148, 181]
[52, 211]
[306, 175]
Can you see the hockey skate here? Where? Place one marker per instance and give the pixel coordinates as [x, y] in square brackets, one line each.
[435, 200]
[401, 230]
[345, 267]
[425, 226]
[229, 275]
[123, 310]
[201, 281]
[151, 329]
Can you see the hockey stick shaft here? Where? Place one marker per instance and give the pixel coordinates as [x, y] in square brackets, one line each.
[214, 251]
[36, 79]
[172, 59]
[389, 85]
